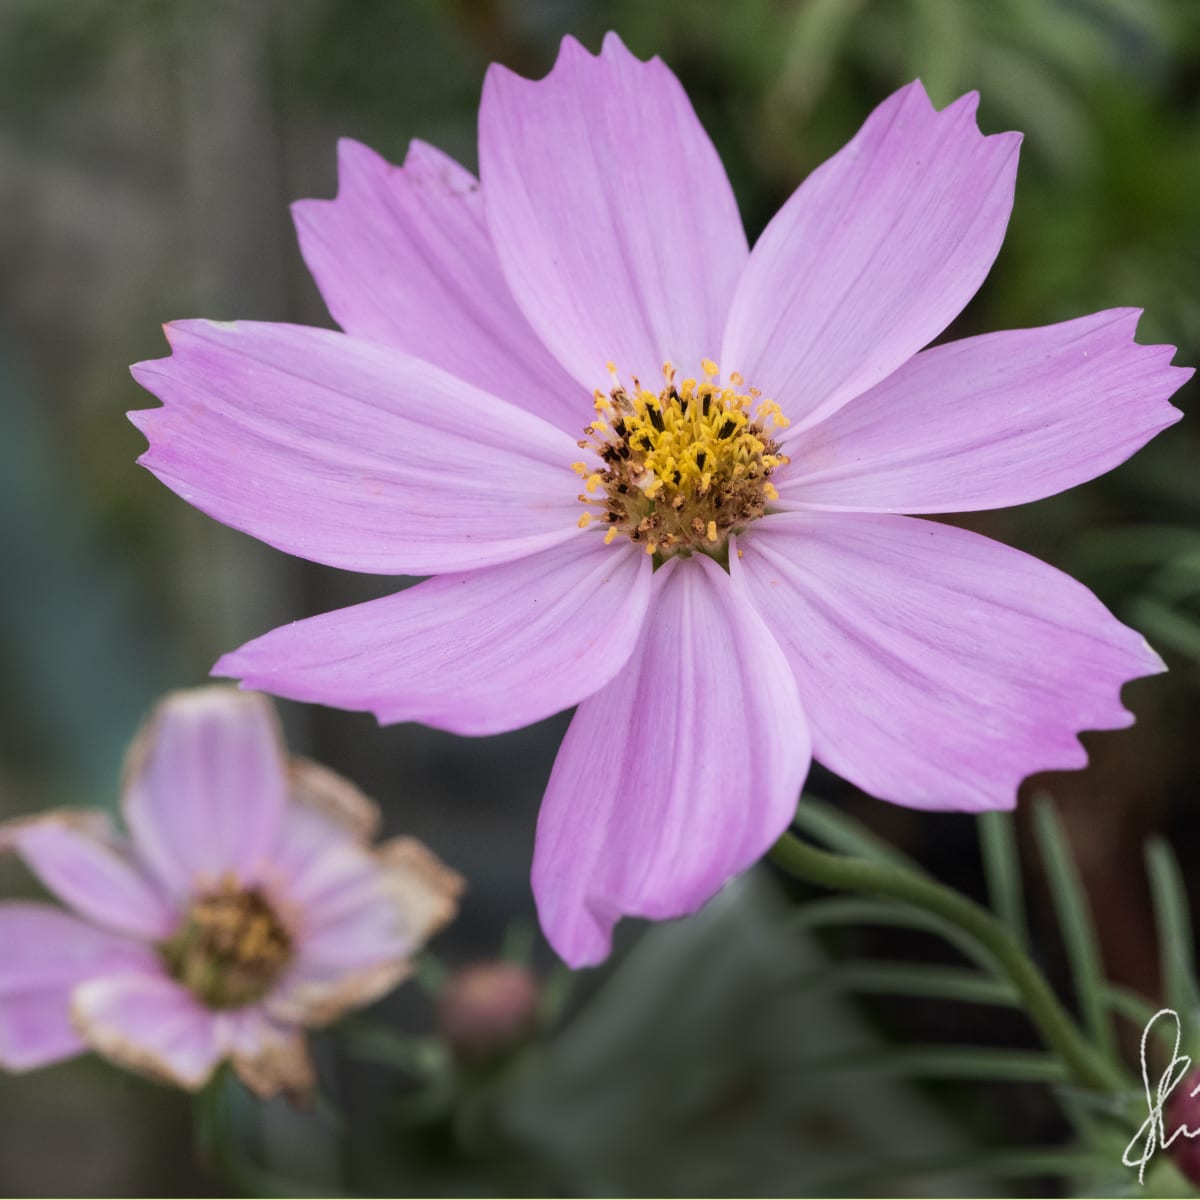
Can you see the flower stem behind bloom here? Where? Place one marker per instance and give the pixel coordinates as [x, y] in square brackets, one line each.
[1090, 1068]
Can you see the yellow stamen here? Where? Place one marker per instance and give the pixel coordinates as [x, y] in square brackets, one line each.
[685, 466]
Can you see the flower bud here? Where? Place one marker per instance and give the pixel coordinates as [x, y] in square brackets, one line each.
[487, 1009]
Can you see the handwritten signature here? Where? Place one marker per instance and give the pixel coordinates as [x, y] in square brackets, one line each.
[1153, 1134]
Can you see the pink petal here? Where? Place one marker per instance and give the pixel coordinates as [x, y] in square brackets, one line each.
[321, 870]
[676, 776]
[403, 256]
[990, 421]
[46, 952]
[36, 1029]
[873, 256]
[96, 876]
[149, 1024]
[937, 668]
[44, 947]
[314, 994]
[351, 453]
[268, 1058]
[342, 877]
[613, 218]
[315, 852]
[354, 906]
[361, 930]
[476, 653]
[205, 788]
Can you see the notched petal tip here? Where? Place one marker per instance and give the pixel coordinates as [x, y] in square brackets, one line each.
[614, 49]
[571, 54]
[571, 48]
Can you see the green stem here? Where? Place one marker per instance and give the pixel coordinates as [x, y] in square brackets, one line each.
[1089, 1068]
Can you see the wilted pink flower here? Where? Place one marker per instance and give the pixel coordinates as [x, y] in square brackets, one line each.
[245, 904]
[738, 578]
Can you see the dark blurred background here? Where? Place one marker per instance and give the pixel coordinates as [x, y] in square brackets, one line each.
[148, 152]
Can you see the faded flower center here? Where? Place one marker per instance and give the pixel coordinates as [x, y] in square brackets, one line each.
[230, 948]
[682, 467]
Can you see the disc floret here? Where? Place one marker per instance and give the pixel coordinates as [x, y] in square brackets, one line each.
[684, 467]
[231, 947]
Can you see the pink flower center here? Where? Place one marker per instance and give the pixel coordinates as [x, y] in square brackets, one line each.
[231, 947]
[683, 467]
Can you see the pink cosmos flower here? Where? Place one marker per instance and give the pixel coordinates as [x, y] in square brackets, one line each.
[245, 904]
[710, 562]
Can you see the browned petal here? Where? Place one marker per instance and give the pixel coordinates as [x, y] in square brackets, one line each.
[107, 1042]
[424, 888]
[91, 821]
[319, 1003]
[334, 797]
[281, 1066]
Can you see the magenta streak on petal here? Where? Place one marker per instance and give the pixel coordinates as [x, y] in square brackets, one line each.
[351, 453]
[873, 255]
[206, 799]
[989, 421]
[677, 775]
[938, 668]
[403, 256]
[610, 211]
[476, 653]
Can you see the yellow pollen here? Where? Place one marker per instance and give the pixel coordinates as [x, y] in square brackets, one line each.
[684, 466]
[230, 948]
[584, 521]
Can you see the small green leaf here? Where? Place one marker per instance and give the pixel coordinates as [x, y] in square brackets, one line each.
[838, 831]
[1002, 868]
[949, 1062]
[1173, 922]
[1166, 625]
[914, 979]
[1125, 1002]
[855, 910]
[1075, 923]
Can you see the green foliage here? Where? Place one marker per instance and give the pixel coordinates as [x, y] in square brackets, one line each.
[1102, 1122]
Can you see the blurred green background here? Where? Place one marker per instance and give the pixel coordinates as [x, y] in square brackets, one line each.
[148, 151]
